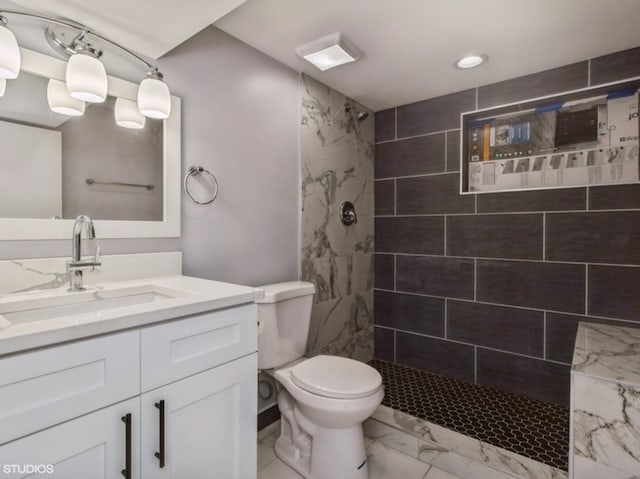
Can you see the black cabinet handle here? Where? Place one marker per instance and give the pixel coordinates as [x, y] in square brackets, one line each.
[160, 453]
[126, 472]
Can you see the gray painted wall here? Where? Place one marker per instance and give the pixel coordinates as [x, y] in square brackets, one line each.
[240, 121]
[240, 113]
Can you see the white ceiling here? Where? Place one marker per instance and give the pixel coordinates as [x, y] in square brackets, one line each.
[150, 27]
[409, 46]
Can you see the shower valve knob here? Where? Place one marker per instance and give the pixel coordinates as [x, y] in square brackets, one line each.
[348, 213]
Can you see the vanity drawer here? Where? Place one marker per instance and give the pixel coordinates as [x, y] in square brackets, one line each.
[187, 346]
[42, 388]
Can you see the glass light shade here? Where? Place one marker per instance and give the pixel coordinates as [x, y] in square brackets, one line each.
[86, 78]
[154, 99]
[61, 102]
[9, 54]
[127, 114]
[3, 86]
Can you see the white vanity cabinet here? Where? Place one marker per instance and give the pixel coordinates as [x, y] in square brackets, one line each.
[182, 391]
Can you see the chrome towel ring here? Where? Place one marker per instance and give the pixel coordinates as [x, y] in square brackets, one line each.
[195, 171]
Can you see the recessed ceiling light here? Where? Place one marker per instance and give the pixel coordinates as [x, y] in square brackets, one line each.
[329, 52]
[471, 61]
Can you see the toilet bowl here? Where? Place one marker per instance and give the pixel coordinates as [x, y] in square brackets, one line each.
[323, 400]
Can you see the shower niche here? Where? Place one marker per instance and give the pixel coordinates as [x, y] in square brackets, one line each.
[579, 138]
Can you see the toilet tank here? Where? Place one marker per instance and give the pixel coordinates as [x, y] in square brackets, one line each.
[284, 315]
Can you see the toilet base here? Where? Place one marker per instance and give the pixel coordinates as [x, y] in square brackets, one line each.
[323, 454]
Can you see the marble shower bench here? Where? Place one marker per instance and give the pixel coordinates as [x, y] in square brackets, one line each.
[605, 403]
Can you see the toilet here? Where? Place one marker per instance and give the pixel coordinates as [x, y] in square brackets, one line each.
[323, 400]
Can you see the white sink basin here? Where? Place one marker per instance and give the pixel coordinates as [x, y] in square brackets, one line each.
[83, 305]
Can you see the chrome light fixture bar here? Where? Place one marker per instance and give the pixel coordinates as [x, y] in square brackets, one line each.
[86, 77]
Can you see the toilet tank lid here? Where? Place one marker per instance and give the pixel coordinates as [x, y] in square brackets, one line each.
[274, 293]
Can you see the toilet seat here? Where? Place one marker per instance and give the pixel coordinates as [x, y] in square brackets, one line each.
[336, 377]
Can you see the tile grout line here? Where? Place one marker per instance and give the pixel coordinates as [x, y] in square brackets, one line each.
[475, 364]
[586, 289]
[446, 320]
[544, 236]
[475, 279]
[544, 335]
[395, 124]
[413, 137]
[446, 143]
[444, 238]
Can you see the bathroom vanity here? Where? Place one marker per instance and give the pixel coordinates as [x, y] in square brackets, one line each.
[154, 378]
[605, 403]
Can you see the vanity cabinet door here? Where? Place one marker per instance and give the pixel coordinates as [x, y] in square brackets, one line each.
[178, 349]
[209, 425]
[92, 446]
[42, 388]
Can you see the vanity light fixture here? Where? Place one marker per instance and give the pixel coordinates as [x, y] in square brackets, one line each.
[471, 61]
[85, 76]
[127, 114]
[154, 99]
[61, 102]
[329, 52]
[9, 52]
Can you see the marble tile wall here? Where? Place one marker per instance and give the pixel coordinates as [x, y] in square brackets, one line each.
[490, 288]
[605, 403]
[337, 165]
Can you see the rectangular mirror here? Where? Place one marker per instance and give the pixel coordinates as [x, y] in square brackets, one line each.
[56, 167]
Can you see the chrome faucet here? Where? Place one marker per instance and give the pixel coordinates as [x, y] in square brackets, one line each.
[77, 265]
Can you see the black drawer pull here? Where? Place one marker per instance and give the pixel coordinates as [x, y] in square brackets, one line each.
[160, 453]
[126, 472]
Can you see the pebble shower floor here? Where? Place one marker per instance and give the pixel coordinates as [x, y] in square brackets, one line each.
[531, 428]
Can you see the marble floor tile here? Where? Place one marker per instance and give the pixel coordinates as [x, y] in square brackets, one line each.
[277, 469]
[386, 463]
[467, 469]
[435, 473]
[265, 455]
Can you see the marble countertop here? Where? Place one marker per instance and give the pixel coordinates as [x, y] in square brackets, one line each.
[185, 296]
[607, 352]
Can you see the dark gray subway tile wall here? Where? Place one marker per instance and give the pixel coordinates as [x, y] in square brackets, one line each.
[549, 82]
[490, 287]
[433, 194]
[550, 286]
[384, 193]
[410, 312]
[434, 115]
[613, 67]
[542, 380]
[435, 355]
[414, 156]
[475, 235]
[410, 234]
[518, 330]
